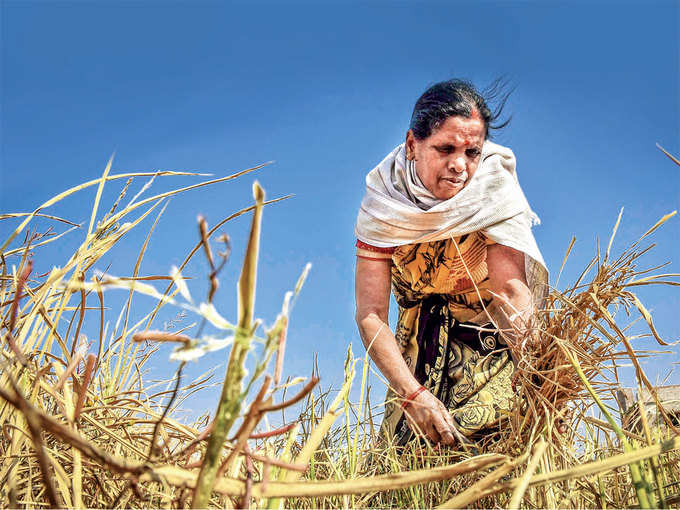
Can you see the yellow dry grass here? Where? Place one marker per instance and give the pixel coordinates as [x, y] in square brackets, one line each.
[81, 428]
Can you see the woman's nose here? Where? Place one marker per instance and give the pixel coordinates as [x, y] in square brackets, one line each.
[458, 164]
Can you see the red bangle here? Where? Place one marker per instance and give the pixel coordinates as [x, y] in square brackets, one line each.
[412, 397]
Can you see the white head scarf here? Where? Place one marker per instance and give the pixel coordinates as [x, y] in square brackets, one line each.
[397, 209]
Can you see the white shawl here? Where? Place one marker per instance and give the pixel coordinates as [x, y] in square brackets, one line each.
[392, 210]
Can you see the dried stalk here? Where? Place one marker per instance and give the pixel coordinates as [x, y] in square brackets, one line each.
[228, 407]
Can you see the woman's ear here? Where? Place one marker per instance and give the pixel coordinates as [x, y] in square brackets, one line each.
[410, 145]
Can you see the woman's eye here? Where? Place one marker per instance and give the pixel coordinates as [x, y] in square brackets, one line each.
[473, 153]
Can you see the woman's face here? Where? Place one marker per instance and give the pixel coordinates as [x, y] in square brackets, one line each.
[447, 159]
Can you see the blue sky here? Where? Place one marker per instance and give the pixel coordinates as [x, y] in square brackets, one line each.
[325, 90]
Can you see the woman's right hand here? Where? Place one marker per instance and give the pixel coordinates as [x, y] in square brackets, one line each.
[427, 415]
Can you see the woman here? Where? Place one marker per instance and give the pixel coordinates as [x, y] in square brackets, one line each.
[445, 223]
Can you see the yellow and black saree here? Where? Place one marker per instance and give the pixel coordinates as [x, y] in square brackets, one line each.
[441, 290]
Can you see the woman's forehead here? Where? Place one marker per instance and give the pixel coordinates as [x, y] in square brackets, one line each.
[458, 128]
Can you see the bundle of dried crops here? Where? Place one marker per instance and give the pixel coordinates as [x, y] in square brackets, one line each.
[578, 328]
[577, 332]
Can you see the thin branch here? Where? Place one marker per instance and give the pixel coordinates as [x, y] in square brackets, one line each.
[157, 426]
[302, 394]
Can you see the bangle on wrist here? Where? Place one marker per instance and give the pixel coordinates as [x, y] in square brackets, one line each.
[412, 397]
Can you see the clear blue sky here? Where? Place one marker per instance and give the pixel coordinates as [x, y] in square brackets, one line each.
[326, 90]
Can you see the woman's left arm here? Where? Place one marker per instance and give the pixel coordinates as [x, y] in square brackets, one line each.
[512, 306]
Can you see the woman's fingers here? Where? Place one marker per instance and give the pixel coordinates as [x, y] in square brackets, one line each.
[448, 419]
[444, 430]
[433, 435]
[428, 416]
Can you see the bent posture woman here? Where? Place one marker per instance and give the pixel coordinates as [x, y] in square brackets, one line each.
[444, 222]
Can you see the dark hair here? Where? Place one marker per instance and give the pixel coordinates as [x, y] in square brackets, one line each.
[458, 97]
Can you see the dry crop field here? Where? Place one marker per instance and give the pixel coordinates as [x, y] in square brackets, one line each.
[82, 428]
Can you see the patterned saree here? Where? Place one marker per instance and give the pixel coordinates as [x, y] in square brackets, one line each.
[444, 334]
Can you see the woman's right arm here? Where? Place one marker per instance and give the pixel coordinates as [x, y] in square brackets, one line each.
[372, 287]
